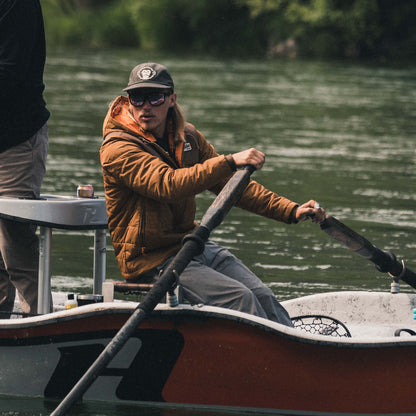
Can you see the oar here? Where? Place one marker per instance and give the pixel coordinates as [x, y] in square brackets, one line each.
[193, 245]
[385, 261]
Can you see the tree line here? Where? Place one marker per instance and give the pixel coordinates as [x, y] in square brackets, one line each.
[356, 29]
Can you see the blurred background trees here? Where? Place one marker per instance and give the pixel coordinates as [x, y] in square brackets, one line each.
[375, 29]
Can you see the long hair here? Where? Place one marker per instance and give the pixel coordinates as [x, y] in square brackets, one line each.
[177, 117]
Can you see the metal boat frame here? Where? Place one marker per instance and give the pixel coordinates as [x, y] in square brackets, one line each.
[62, 212]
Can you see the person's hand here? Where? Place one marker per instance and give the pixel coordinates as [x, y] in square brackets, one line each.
[312, 210]
[249, 157]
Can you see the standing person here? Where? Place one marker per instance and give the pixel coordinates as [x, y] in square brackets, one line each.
[153, 166]
[23, 144]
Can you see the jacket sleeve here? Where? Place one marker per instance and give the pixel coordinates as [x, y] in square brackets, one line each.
[259, 200]
[256, 198]
[149, 176]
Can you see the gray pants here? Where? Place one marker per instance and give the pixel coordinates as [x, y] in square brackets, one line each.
[22, 169]
[218, 278]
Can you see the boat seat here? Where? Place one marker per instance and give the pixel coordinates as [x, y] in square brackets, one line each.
[141, 288]
[129, 288]
[141, 285]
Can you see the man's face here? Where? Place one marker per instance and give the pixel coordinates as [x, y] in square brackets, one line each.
[151, 118]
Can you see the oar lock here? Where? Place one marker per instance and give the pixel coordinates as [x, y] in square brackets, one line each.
[403, 272]
[395, 285]
[171, 297]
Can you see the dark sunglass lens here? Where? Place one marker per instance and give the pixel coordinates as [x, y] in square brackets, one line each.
[156, 99]
[137, 100]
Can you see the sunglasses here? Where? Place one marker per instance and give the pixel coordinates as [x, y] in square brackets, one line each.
[155, 98]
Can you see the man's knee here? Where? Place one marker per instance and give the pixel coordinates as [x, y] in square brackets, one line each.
[248, 302]
[263, 292]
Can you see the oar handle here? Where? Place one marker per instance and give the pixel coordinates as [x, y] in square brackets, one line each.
[385, 261]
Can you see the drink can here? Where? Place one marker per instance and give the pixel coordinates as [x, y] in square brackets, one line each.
[85, 191]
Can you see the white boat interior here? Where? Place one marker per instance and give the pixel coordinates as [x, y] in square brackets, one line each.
[366, 314]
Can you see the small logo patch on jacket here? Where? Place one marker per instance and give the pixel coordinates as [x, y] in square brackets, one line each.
[187, 147]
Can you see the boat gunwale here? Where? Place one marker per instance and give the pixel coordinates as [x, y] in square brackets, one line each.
[201, 311]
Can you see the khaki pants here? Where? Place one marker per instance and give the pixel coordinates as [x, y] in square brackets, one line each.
[22, 169]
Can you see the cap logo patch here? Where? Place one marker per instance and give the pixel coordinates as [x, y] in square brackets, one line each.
[146, 73]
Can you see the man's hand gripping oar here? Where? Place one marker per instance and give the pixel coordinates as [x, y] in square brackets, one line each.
[385, 261]
[193, 245]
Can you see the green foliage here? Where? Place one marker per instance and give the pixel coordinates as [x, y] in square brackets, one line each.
[60, 25]
[88, 23]
[397, 17]
[224, 27]
[160, 24]
[115, 26]
[321, 28]
[209, 26]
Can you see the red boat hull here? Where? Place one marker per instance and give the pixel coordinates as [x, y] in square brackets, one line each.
[211, 357]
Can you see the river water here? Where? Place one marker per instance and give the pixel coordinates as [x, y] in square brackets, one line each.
[341, 133]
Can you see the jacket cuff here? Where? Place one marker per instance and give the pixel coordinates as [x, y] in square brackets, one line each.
[292, 216]
[230, 160]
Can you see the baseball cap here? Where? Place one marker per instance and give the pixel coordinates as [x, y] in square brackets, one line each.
[149, 75]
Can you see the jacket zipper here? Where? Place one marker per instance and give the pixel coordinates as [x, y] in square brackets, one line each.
[166, 155]
[141, 230]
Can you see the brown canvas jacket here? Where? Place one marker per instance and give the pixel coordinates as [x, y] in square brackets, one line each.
[150, 195]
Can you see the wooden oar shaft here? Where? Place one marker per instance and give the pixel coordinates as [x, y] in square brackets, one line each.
[385, 261]
[226, 200]
[192, 246]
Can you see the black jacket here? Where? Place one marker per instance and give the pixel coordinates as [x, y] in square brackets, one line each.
[22, 59]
